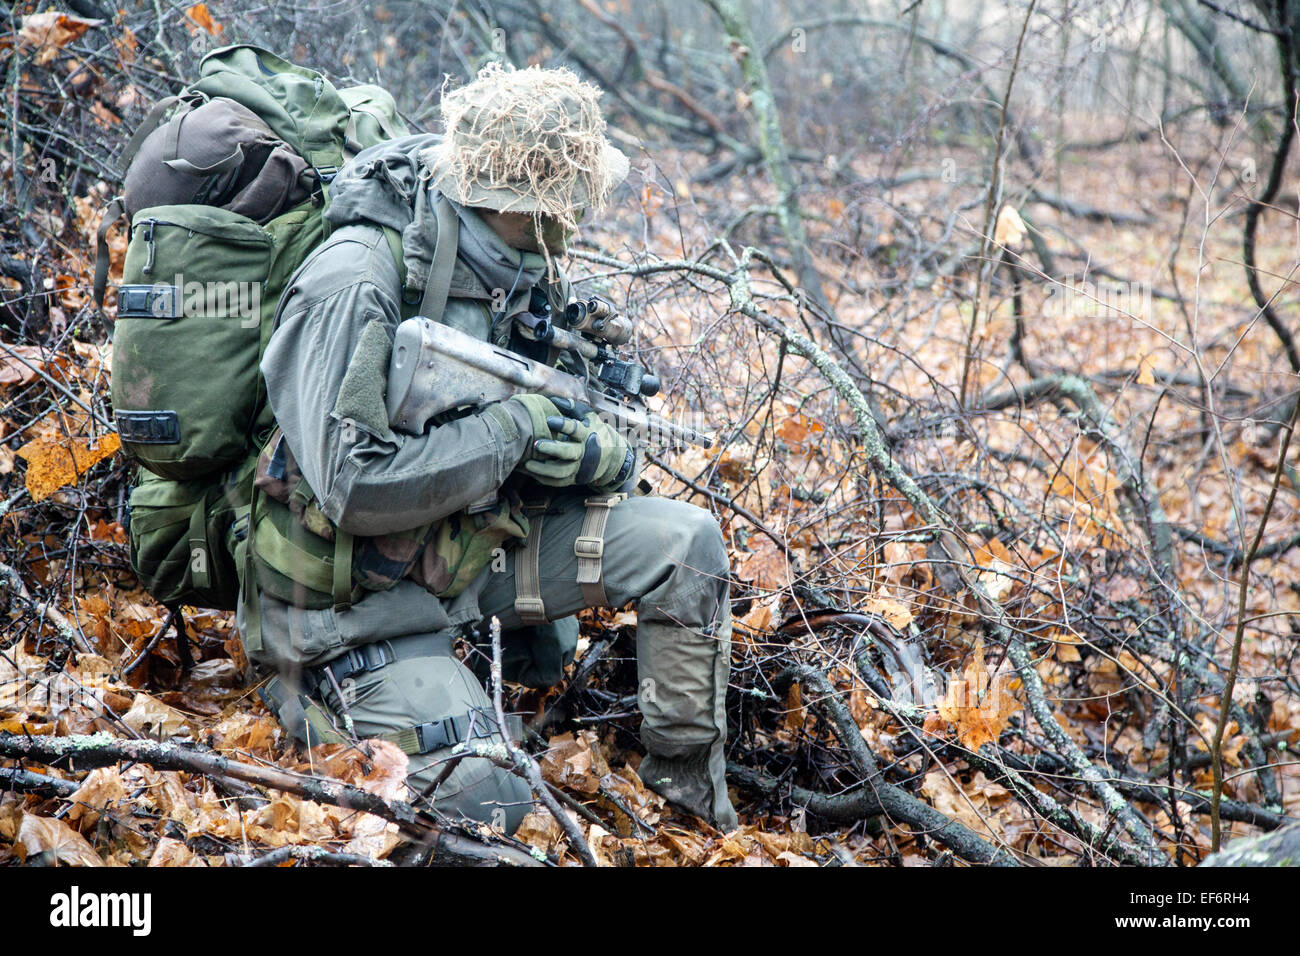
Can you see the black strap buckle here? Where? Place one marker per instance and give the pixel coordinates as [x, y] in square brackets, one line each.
[448, 731]
[359, 660]
[154, 427]
[436, 734]
[157, 301]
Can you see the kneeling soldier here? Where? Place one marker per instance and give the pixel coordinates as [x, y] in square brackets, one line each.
[373, 550]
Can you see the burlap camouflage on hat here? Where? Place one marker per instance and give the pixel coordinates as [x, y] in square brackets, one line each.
[527, 141]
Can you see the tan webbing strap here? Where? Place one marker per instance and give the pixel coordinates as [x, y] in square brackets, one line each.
[528, 582]
[590, 549]
[449, 731]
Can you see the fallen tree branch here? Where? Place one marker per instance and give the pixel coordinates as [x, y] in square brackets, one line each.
[102, 750]
[526, 766]
[313, 854]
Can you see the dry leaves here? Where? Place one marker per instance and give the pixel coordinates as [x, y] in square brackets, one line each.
[202, 19]
[150, 716]
[49, 32]
[19, 364]
[53, 464]
[52, 836]
[979, 704]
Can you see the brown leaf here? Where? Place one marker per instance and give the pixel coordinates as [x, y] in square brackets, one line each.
[170, 852]
[48, 835]
[979, 705]
[100, 788]
[162, 721]
[18, 364]
[898, 614]
[573, 763]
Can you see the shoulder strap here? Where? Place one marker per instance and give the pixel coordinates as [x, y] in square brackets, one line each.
[438, 284]
[410, 299]
[433, 300]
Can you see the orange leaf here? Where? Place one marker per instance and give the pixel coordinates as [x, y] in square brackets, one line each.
[51, 465]
[1146, 371]
[898, 614]
[980, 706]
[200, 15]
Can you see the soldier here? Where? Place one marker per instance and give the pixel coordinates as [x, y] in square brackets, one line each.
[373, 550]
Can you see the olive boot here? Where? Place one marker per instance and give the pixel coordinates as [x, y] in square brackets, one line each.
[683, 676]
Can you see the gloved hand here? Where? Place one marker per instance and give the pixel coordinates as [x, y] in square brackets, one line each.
[585, 451]
[538, 408]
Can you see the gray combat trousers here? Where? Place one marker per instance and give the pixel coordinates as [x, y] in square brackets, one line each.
[666, 555]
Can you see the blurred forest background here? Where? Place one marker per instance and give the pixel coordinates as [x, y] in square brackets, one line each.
[992, 305]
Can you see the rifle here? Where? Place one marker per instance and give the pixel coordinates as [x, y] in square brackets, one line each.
[436, 368]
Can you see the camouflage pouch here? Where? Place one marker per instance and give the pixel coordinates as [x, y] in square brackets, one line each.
[465, 544]
[295, 544]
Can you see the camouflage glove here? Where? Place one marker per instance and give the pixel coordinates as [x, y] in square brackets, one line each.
[585, 451]
[538, 408]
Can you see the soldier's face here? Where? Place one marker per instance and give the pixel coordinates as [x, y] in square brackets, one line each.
[523, 231]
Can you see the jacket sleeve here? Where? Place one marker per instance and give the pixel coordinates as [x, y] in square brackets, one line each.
[368, 479]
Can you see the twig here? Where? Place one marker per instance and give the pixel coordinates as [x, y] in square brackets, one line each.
[47, 610]
[314, 854]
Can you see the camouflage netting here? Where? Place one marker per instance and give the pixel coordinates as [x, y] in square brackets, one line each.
[529, 141]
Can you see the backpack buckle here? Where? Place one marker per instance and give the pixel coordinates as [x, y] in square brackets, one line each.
[157, 301]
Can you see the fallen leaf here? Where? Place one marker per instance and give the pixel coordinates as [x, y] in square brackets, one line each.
[218, 671]
[572, 762]
[48, 835]
[979, 705]
[19, 364]
[1065, 643]
[967, 809]
[758, 620]
[51, 464]
[162, 721]
[100, 788]
[897, 614]
[171, 852]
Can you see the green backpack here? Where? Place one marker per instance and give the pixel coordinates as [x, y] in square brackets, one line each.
[199, 291]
